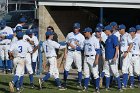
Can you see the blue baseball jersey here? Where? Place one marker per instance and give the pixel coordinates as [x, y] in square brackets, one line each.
[110, 47]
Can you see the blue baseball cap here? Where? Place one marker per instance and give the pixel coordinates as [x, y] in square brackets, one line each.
[98, 29]
[113, 23]
[132, 29]
[29, 32]
[88, 29]
[2, 23]
[20, 34]
[19, 28]
[108, 27]
[49, 33]
[76, 25]
[23, 19]
[138, 27]
[122, 26]
[100, 25]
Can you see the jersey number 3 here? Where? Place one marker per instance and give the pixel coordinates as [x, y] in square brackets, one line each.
[20, 49]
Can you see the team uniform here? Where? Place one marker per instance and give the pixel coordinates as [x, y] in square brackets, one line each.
[49, 47]
[125, 41]
[91, 49]
[74, 55]
[35, 54]
[134, 61]
[6, 32]
[19, 50]
[111, 65]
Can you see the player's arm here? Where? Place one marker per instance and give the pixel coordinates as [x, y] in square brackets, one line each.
[130, 45]
[36, 45]
[97, 49]
[30, 41]
[116, 46]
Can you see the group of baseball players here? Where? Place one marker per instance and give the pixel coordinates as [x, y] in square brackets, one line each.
[18, 49]
[112, 43]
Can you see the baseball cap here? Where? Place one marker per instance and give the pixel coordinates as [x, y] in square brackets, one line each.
[76, 25]
[138, 27]
[29, 32]
[98, 29]
[132, 29]
[23, 19]
[122, 26]
[108, 27]
[49, 33]
[88, 29]
[20, 34]
[113, 24]
[19, 28]
[100, 25]
[2, 23]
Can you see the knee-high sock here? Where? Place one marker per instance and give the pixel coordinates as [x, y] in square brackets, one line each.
[21, 81]
[132, 80]
[34, 66]
[125, 79]
[65, 75]
[86, 80]
[107, 82]
[119, 82]
[79, 77]
[31, 78]
[46, 77]
[57, 80]
[97, 83]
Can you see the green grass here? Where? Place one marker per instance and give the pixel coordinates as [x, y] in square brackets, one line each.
[51, 88]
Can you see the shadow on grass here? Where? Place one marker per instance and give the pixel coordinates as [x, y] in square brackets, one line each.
[3, 90]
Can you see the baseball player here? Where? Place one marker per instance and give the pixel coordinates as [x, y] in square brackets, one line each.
[22, 22]
[29, 37]
[49, 47]
[18, 29]
[73, 54]
[134, 61]
[22, 49]
[111, 53]
[91, 55]
[102, 66]
[126, 44]
[6, 34]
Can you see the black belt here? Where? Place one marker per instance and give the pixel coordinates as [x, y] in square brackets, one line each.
[51, 57]
[5, 44]
[134, 55]
[89, 55]
[21, 57]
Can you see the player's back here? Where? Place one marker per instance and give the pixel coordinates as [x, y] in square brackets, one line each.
[22, 47]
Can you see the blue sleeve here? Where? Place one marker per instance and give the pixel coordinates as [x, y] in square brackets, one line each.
[9, 37]
[98, 51]
[115, 41]
[62, 43]
[78, 48]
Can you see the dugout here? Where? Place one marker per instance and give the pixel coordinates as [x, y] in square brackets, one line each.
[61, 14]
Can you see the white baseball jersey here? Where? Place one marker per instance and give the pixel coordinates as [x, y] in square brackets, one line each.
[49, 47]
[90, 45]
[136, 45]
[6, 32]
[34, 39]
[117, 34]
[125, 40]
[72, 38]
[22, 47]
